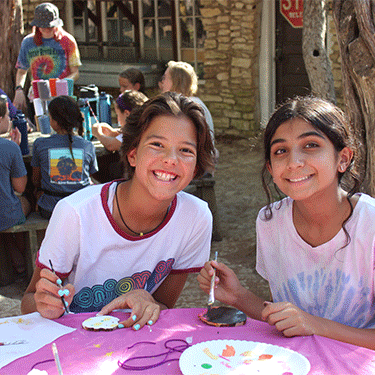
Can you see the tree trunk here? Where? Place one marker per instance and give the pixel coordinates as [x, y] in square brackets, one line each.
[11, 26]
[354, 21]
[314, 50]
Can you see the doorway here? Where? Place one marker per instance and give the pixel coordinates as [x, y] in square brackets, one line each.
[291, 75]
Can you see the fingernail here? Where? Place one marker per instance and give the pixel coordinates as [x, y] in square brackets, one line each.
[120, 326]
[66, 292]
[58, 281]
[99, 314]
[136, 327]
[134, 317]
[266, 303]
[150, 322]
[60, 293]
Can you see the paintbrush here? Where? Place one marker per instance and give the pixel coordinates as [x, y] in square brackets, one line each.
[57, 359]
[211, 296]
[65, 304]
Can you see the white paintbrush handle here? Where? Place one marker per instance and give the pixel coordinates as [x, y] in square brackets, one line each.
[211, 297]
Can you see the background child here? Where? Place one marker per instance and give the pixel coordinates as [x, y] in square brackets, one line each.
[131, 243]
[13, 178]
[132, 79]
[63, 162]
[180, 77]
[315, 247]
[110, 137]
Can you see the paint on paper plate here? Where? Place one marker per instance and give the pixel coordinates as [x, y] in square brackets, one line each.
[238, 357]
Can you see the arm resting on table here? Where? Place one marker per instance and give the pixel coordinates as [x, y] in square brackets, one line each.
[106, 136]
[355, 336]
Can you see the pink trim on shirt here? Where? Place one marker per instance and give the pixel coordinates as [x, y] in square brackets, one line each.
[188, 270]
[115, 226]
[42, 266]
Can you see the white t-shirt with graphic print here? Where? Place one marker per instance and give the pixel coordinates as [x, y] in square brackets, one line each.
[332, 280]
[102, 262]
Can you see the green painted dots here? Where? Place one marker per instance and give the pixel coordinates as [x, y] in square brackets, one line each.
[206, 365]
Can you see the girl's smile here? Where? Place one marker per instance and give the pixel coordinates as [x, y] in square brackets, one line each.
[303, 161]
[166, 156]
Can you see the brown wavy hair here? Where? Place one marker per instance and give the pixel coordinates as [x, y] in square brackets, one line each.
[168, 104]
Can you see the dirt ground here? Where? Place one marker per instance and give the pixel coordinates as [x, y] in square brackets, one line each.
[239, 197]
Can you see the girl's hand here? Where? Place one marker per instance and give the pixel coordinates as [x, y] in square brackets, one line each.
[20, 101]
[145, 310]
[290, 320]
[15, 135]
[227, 285]
[96, 130]
[47, 298]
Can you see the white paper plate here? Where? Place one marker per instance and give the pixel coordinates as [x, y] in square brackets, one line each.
[238, 357]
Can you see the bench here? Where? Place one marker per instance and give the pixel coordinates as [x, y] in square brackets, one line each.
[204, 188]
[34, 223]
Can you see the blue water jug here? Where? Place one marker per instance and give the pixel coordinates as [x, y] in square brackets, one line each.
[105, 108]
[84, 107]
[20, 122]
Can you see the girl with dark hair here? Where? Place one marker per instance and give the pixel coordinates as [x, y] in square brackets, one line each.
[131, 243]
[316, 246]
[132, 79]
[63, 162]
[110, 137]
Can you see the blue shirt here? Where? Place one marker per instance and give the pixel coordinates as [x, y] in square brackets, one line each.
[11, 166]
[61, 171]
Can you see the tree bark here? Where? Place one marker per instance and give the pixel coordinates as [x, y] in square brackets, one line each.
[314, 49]
[11, 26]
[354, 21]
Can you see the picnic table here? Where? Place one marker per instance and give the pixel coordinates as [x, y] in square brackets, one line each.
[102, 352]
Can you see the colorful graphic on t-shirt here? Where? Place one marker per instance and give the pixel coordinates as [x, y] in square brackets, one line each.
[65, 169]
[46, 62]
[338, 291]
[95, 298]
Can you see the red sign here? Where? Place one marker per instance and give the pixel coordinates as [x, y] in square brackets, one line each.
[292, 10]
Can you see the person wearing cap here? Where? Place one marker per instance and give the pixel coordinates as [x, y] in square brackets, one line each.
[48, 52]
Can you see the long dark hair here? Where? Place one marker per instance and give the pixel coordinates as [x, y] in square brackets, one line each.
[168, 104]
[325, 117]
[65, 111]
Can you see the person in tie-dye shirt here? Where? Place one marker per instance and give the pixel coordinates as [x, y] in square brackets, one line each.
[48, 52]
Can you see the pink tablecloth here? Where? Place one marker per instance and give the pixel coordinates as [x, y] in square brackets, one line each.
[86, 352]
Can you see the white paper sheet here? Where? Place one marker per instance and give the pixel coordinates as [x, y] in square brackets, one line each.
[35, 330]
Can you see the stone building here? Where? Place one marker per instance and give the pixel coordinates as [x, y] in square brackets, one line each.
[247, 53]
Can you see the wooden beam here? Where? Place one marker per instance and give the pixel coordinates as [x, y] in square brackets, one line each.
[93, 17]
[127, 12]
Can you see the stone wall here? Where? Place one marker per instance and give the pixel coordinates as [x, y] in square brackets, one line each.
[231, 86]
